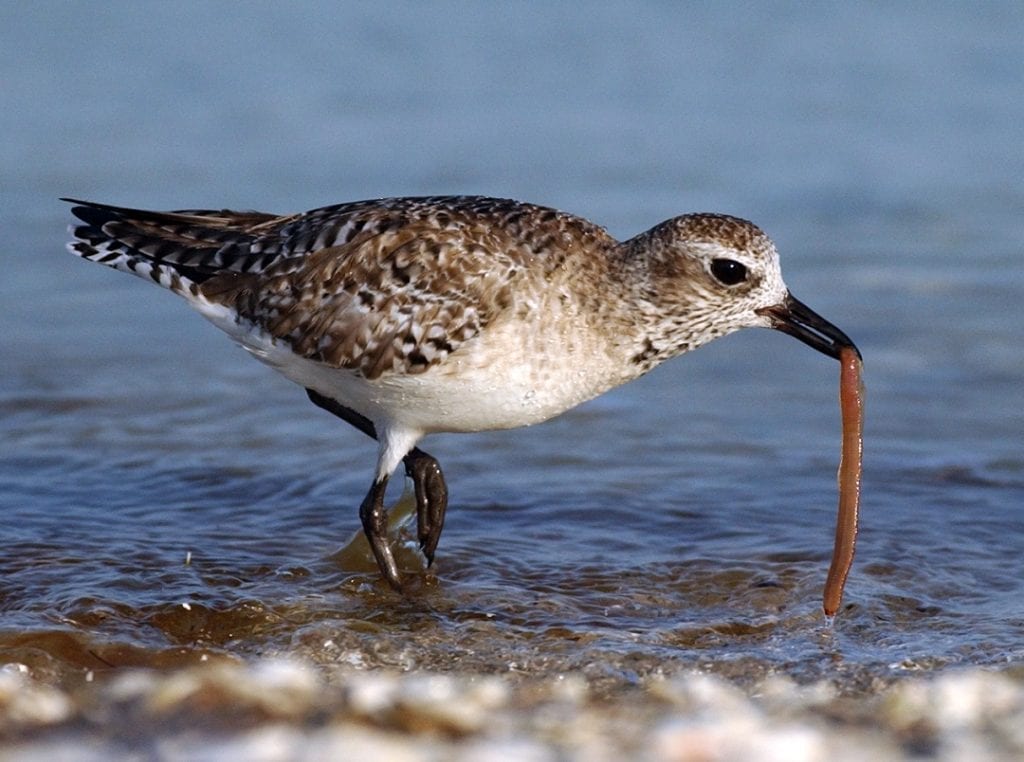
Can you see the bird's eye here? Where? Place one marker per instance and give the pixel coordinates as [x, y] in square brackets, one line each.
[728, 271]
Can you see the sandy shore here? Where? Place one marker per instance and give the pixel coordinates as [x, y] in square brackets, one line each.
[286, 710]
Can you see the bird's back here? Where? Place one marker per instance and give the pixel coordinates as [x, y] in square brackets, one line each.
[201, 243]
[380, 286]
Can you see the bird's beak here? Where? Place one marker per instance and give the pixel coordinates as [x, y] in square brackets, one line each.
[797, 319]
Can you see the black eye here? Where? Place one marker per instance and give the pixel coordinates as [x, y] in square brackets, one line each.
[728, 271]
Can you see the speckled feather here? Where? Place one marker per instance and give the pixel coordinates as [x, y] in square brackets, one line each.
[377, 286]
[401, 285]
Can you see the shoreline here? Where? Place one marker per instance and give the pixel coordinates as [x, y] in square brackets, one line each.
[281, 709]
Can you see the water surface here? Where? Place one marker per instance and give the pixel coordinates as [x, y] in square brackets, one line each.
[166, 500]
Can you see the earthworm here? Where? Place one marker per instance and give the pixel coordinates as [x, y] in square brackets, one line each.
[851, 406]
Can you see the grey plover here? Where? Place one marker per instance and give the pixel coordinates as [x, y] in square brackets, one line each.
[410, 316]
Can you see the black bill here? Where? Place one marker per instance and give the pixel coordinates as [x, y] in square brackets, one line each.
[797, 319]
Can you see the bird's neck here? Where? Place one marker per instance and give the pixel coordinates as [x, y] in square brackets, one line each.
[665, 321]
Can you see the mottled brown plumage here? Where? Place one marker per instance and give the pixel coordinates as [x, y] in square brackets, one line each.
[410, 286]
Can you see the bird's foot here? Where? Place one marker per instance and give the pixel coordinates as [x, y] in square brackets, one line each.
[431, 499]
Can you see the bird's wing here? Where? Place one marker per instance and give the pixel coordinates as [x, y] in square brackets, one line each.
[390, 300]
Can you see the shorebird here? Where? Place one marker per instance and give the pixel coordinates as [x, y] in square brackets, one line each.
[412, 316]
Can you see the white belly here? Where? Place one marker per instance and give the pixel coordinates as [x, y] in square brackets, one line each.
[500, 381]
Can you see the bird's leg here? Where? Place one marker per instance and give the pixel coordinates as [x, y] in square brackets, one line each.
[375, 525]
[348, 415]
[431, 499]
[422, 468]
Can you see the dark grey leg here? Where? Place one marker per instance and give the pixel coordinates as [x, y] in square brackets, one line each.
[375, 524]
[422, 468]
[348, 415]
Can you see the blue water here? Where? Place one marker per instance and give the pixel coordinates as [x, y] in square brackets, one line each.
[683, 519]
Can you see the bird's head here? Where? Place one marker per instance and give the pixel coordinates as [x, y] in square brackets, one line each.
[712, 274]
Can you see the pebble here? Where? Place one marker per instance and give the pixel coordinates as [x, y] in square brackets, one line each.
[282, 709]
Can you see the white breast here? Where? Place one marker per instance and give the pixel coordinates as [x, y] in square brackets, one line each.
[507, 377]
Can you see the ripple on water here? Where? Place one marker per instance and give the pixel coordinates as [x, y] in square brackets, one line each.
[508, 589]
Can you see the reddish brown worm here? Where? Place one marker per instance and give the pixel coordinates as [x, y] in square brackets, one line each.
[851, 406]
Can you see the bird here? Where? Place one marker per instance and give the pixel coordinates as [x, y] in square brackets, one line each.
[411, 316]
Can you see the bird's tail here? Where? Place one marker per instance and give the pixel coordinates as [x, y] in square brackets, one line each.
[177, 250]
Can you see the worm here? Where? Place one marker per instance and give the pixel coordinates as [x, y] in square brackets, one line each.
[851, 407]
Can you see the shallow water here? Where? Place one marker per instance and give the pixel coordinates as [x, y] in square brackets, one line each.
[166, 500]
